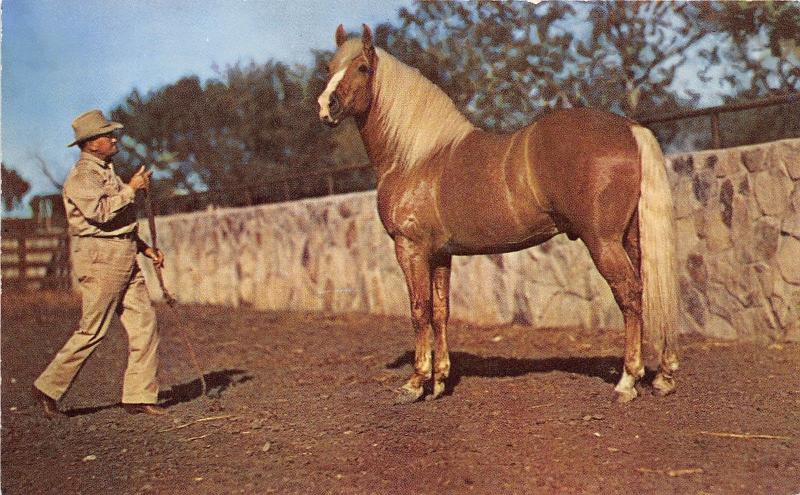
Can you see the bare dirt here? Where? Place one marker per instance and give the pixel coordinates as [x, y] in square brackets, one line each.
[302, 403]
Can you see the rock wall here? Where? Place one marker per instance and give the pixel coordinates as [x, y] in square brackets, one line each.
[738, 222]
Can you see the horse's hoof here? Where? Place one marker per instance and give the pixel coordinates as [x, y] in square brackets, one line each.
[625, 395]
[438, 390]
[407, 396]
[663, 385]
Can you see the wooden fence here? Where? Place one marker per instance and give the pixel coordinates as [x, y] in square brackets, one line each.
[34, 259]
[713, 113]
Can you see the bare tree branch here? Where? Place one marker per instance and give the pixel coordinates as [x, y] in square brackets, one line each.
[44, 168]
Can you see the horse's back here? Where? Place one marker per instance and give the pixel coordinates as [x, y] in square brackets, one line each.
[574, 135]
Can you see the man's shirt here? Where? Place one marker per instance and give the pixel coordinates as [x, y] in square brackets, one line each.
[97, 202]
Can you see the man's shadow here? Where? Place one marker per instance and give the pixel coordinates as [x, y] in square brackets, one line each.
[607, 368]
[217, 382]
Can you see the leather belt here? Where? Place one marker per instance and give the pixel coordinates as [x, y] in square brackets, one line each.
[128, 235]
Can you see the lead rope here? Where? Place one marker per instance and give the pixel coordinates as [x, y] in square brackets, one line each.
[151, 221]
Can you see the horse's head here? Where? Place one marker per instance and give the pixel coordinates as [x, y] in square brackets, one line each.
[349, 78]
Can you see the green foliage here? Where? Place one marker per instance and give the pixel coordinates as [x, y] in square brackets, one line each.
[503, 63]
[757, 53]
[486, 56]
[227, 136]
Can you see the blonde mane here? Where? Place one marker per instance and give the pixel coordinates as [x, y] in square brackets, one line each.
[418, 118]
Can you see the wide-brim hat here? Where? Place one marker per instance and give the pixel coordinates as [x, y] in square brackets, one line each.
[91, 124]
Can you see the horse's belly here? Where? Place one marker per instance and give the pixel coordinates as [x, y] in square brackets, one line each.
[486, 199]
[483, 226]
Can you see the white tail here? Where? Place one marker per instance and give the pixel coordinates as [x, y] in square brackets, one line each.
[657, 244]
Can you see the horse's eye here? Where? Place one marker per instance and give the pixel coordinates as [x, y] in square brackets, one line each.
[363, 68]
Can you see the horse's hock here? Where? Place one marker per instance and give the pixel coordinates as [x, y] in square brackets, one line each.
[738, 234]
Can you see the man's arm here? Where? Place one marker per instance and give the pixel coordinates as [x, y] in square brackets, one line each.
[141, 246]
[154, 254]
[85, 190]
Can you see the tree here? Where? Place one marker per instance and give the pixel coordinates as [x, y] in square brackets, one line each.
[761, 48]
[46, 171]
[227, 136]
[758, 54]
[504, 63]
[487, 56]
[14, 188]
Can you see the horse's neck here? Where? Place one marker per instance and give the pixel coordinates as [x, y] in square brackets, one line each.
[381, 154]
[410, 118]
[389, 149]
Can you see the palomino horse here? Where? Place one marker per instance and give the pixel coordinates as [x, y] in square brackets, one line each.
[448, 188]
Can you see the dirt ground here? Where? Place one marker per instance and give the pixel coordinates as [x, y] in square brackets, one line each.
[302, 403]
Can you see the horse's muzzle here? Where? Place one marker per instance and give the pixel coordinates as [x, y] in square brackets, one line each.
[330, 114]
[333, 116]
[334, 105]
[328, 121]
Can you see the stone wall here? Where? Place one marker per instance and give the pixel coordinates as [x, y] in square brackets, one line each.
[738, 221]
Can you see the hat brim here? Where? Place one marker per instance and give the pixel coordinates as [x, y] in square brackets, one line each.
[111, 126]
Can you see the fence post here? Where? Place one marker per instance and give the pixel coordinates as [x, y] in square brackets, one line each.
[64, 275]
[330, 184]
[286, 191]
[22, 254]
[715, 137]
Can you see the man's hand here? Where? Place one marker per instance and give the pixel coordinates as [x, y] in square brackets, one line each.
[141, 179]
[156, 255]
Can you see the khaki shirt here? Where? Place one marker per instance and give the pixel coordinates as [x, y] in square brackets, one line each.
[97, 202]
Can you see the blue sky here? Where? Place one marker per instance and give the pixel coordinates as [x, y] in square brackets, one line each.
[62, 57]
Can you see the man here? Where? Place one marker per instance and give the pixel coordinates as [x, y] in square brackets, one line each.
[102, 225]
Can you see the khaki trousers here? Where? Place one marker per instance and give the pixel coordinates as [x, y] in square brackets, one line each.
[110, 281]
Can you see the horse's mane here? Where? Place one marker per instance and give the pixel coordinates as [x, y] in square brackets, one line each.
[418, 118]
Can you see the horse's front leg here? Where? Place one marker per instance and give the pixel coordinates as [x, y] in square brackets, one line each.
[441, 313]
[415, 261]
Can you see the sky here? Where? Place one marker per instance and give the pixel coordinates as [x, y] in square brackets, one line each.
[63, 57]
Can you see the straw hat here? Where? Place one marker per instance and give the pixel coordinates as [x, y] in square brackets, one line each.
[91, 124]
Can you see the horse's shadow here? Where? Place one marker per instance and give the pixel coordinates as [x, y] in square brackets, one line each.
[217, 382]
[465, 364]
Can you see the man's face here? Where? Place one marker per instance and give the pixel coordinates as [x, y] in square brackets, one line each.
[103, 146]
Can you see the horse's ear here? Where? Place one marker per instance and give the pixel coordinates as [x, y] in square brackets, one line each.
[341, 36]
[366, 40]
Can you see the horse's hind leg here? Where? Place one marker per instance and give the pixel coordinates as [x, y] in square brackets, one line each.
[663, 383]
[441, 313]
[616, 267]
[414, 260]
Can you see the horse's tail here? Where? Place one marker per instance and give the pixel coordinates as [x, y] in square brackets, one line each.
[657, 244]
